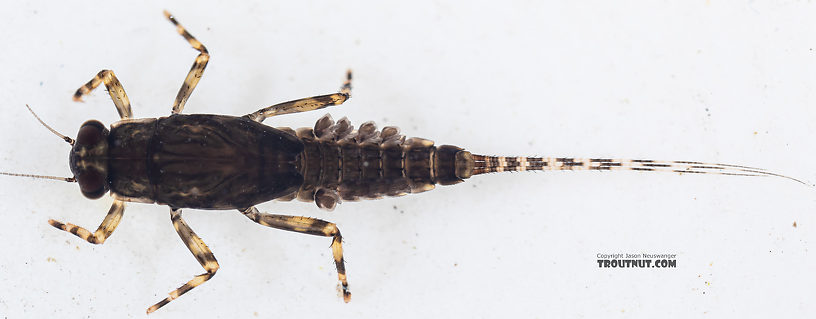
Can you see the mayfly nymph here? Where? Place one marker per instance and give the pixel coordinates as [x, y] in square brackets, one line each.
[220, 162]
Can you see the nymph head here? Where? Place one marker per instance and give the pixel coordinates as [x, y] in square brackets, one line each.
[88, 159]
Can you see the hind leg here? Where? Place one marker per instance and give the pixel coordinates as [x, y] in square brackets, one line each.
[311, 226]
[306, 104]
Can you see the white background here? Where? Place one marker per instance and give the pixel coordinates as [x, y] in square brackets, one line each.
[718, 81]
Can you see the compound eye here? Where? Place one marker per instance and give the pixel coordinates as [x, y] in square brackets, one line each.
[91, 133]
[92, 184]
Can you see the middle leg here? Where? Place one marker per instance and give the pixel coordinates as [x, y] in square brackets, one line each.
[201, 252]
[196, 70]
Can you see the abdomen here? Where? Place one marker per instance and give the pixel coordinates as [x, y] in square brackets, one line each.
[340, 163]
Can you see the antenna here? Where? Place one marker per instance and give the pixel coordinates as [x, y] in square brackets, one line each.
[65, 138]
[56, 178]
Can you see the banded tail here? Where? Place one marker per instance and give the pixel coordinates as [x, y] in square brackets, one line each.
[492, 164]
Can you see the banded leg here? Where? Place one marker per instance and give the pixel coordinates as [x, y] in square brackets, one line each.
[311, 226]
[346, 88]
[105, 228]
[195, 71]
[115, 89]
[201, 252]
[306, 104]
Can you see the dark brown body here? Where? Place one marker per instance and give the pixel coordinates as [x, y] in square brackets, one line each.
[225, 162]
[202, 161]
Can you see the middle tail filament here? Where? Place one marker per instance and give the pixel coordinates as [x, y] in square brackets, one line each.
[492, 164]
